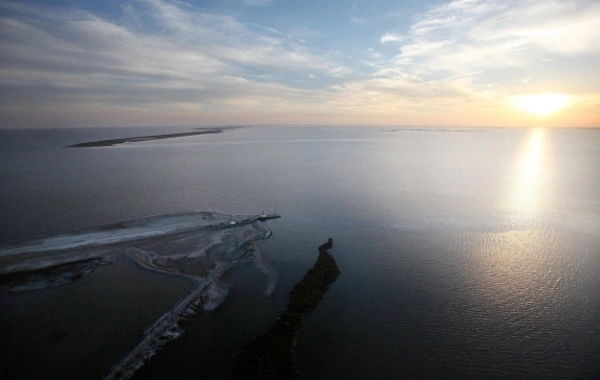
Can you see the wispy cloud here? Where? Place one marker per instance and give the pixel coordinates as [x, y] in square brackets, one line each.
[173, 58]
[262, 3]
[468, 35]
[465, 75]
[194, 60]
[477, 50]
[489, 39]
[373, 53]
[391, 37]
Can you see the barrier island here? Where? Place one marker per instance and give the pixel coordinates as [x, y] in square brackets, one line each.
[112, 142]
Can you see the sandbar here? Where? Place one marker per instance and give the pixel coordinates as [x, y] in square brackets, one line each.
[113, 142]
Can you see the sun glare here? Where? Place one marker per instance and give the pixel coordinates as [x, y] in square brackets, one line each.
[541, 104]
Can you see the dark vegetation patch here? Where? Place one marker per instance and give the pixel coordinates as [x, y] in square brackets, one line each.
[272, 355]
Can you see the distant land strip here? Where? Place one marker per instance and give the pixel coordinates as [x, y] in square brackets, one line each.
[466, 129]
[113, 142]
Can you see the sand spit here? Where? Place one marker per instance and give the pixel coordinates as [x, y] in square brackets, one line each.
[197, 246]
[267, 270]
[174, 235]
[112, 142]
[208, 294]
[259, 261]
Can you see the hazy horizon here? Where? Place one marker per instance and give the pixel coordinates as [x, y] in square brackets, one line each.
[181, 128]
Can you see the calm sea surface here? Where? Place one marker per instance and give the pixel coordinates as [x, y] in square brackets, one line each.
[470, 253]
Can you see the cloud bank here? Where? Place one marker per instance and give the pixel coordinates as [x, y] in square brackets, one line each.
[169, 62]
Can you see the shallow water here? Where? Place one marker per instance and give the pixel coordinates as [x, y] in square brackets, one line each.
[461, 253]
[83, 328]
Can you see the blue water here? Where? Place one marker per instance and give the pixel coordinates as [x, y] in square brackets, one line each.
[463, 253]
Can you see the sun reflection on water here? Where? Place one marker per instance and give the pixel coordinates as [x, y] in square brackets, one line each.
[514, 269]
[528, 187]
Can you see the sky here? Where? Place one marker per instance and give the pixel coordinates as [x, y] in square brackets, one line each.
[111, 63]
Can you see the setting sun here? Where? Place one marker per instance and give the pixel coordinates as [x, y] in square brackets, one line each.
[541, 104]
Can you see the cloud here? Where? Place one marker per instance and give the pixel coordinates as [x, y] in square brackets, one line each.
[471, 52]
[172, 56]
[490, 33]
[391, 37]
[396, 95]
[494, 36]
[567, 28]
[262, 3]
[465, 75]
[432, 23]
[357, 20]
[178, 59]
[373, 54]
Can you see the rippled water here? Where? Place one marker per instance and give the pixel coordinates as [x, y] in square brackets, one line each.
[464, 253]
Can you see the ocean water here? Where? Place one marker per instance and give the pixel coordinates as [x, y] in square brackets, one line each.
[463, 252]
